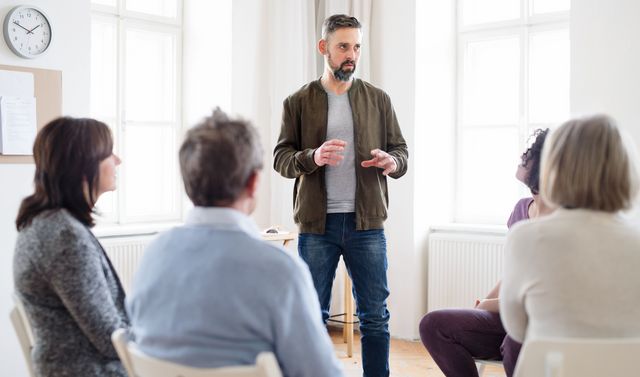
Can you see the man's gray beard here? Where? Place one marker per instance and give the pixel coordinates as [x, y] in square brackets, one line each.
[343, 75]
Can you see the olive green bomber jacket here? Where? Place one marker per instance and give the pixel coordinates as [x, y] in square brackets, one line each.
[304, 129]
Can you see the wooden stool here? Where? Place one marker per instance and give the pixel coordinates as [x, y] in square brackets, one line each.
[347, 330]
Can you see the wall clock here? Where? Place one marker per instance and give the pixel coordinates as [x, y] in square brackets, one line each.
[27, 31]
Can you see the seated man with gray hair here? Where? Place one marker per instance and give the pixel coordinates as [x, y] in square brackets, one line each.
[212, 293]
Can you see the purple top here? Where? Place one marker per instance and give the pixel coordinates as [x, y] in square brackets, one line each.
[520, 211]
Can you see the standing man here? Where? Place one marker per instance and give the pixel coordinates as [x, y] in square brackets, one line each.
[340, 139]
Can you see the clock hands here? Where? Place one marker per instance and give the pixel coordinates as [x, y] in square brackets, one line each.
[28, 31]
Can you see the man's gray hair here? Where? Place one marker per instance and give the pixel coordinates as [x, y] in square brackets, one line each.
[339, 21]
[217, 158]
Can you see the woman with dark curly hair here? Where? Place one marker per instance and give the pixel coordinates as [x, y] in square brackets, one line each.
[454, 337]
[71, 293]
[529, 173]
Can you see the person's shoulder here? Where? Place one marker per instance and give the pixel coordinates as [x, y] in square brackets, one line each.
[629, 230]
[543, 229]
[175, 240]
[275, 253]
[311, 88]
[524, 202]
[56, 223]
[53, 233]
[367, 85]
[274, 259]
[369, 88]
[520, 212]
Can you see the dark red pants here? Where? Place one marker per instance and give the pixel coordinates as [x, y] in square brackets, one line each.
[454, 337]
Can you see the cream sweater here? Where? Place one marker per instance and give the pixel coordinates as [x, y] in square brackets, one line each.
[574, 273]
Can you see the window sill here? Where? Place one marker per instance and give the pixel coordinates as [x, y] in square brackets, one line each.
[132, 230]
[461, 228]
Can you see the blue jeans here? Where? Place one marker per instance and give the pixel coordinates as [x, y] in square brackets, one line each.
[365, 256]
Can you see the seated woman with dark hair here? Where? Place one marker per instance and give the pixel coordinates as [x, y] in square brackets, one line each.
[71, 293]
[574, 273]
[454, 337]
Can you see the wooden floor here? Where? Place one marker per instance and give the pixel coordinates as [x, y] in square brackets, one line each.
[407, 359]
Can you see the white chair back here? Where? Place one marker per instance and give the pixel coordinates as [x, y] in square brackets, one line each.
[579, 357]
[23, 330]
[139, 364]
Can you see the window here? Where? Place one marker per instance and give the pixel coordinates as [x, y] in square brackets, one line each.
[136, 89]
[513, 77]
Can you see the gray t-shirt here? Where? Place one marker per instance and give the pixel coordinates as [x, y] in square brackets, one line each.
[341, 179]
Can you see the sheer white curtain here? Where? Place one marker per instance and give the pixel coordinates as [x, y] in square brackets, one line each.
[292, 55]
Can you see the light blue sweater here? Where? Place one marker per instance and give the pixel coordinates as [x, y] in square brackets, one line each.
[212, 293]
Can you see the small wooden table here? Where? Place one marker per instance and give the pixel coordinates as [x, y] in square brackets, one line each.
[284, 237]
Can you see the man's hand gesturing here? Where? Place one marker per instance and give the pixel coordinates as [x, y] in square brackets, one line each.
[382, 160]
[329, 153]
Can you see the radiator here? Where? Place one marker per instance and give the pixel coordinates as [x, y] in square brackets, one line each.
[125, 254]
[462, 267]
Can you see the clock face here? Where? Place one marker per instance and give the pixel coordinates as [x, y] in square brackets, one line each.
[27, 31]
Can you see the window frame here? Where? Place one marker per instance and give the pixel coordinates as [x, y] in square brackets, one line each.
[522, 28]
[128, 20]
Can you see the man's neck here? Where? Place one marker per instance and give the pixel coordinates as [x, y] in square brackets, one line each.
[244, 205]
[332, 84]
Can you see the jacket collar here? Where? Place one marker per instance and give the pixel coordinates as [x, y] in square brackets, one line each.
[223, 218]
[318, 84]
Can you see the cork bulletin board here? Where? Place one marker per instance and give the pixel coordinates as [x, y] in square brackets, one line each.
[48, 93]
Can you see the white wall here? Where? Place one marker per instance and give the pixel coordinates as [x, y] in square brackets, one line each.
[249, 92]
[433, 152]
[272, 56]
[69, 52]
[605, 60]
[206, 58]
[393, 69]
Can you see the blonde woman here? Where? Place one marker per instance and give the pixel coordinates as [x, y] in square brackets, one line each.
[574, 273]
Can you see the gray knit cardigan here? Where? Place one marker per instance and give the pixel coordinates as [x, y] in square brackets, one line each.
[72, 296]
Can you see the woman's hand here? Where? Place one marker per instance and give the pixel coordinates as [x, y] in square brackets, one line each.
[488, 304]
